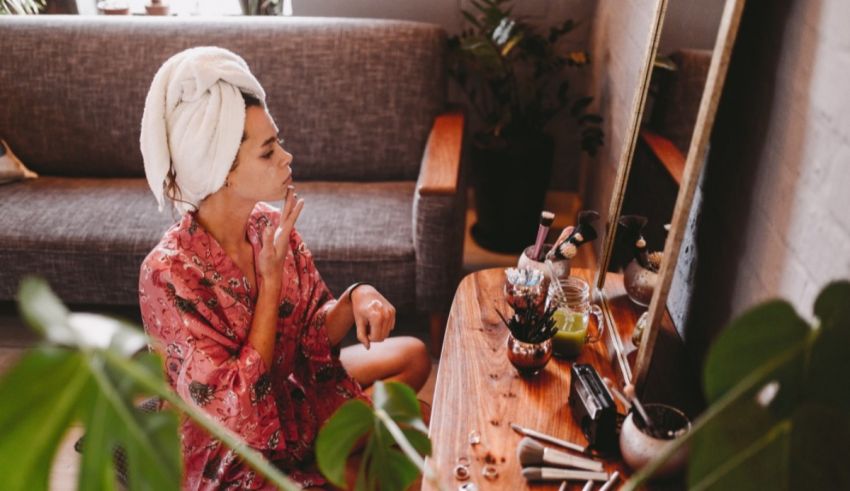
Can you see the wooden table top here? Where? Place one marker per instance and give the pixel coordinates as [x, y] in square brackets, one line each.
[477, 389]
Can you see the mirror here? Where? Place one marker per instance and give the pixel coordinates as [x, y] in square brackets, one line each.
[659, 172]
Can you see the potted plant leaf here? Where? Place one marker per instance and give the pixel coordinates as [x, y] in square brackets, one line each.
[91, 369]
[515, 82]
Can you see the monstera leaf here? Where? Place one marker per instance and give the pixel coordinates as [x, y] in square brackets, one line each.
[87, 371]
[394, 419]
[780, 409]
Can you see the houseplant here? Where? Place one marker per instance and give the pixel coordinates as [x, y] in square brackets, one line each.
[86, 370]
[514, 80]
[780, 409]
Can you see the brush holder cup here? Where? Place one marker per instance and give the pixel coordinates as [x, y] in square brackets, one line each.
[638, 447]
[528, 358]
[560, 267]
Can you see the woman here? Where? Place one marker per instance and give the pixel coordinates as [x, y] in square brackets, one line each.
[231, 297]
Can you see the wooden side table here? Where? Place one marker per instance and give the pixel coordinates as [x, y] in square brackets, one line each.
[478, 390]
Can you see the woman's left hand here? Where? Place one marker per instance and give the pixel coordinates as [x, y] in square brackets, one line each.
[374, 315]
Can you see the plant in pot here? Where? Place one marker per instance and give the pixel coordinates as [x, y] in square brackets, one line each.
[515, 82]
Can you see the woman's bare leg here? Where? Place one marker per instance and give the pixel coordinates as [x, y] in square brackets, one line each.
[403, 359]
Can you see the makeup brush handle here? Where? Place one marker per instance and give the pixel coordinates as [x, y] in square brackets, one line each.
[542, 231]
[555, 441]
[562, 459]
[555, 474]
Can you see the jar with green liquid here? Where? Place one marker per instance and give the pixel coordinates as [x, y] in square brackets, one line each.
[572, 318]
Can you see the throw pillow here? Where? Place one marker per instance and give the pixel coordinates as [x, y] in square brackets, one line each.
[11, 167]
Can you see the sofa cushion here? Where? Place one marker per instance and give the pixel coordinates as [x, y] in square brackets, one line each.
[88, 237]
[354, 98]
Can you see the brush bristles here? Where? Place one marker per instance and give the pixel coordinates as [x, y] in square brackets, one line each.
[546, 218]
[529, 452]
[532, 473]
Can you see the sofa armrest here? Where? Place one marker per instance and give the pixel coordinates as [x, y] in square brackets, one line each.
[440, 171]
[439, 211]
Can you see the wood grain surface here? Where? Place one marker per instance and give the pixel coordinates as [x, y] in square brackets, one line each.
[477, 389]
[441, 161]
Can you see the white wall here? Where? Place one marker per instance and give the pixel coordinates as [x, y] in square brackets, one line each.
[776, 202]
[690, 24]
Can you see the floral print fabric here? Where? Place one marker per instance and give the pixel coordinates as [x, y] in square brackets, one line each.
[197, 308]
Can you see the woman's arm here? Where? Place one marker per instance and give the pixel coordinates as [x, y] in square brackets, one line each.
[264, 323]
[275, 247]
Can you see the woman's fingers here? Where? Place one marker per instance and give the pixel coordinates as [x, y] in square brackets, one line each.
[362, 331]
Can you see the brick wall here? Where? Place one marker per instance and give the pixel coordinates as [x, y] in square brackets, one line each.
[775, 219]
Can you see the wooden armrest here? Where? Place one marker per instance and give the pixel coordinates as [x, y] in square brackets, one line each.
[668, 154]
[441, 162]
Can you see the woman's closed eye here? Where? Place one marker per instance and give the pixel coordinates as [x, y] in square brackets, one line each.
[269, 154]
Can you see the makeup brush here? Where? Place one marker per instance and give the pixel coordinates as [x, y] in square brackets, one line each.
[582, 233]
[619, 395]
[629, 391]
[546, 438]
[546, 219]
[557, 474]
[530, 452]
[610, 482]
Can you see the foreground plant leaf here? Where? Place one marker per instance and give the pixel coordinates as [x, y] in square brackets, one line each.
[41, 398]
[396, 419]
[780, 415]
[86, 373]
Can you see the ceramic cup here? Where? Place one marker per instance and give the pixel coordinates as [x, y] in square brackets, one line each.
[638, 448]
[561, 267]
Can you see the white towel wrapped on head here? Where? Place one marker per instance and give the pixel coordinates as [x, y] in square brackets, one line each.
[194, 119]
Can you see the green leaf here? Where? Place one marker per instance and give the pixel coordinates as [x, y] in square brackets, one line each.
[829, 357]
[400, 402]
[590, 119]
[41, 395]
[393, 469]
[580, 105]
[743, 441]
[760, 334]
[43, 310]
[820, 444]
[471, 19]
[337, 438]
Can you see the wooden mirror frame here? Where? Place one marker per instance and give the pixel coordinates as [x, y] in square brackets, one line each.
[694, 161]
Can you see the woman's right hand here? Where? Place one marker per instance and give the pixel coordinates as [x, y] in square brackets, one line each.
[275, 246]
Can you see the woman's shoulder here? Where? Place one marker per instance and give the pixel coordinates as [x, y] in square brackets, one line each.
[173, 249]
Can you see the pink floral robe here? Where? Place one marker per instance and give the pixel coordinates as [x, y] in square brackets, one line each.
[197, 309]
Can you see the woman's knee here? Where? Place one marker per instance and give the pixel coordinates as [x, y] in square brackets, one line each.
[418, 361]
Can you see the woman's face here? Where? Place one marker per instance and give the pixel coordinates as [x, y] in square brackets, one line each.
[262, 169]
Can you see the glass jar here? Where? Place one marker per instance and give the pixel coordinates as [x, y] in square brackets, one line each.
[572, 317]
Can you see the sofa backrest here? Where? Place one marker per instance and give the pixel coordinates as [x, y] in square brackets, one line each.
[354, 98]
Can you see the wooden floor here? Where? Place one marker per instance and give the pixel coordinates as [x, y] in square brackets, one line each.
[15, 337]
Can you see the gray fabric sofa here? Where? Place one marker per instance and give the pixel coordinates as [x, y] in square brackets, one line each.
[360, 103]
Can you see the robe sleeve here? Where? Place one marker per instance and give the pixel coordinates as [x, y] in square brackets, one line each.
[314, 341]
[205, 364]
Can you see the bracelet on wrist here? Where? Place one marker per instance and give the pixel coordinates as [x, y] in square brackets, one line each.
[354, 287]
